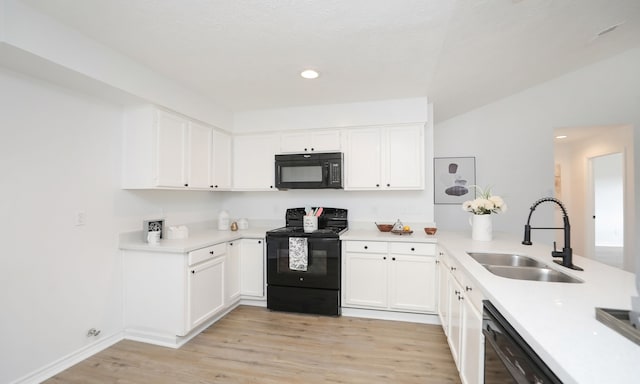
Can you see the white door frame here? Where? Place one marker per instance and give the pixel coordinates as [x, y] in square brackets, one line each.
[590, 232]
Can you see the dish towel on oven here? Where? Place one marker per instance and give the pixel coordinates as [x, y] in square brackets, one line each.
[298, 255]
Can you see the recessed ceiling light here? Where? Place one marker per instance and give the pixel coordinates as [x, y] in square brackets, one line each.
[309, 74]
[561, 137]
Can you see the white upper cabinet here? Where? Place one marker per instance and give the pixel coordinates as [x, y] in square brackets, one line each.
[404, 162]
[321, 141]
[170, 150]
[253, 162]
[363, 159]
[221, 162]
[385, 158]
[199, 152]
[165, 150]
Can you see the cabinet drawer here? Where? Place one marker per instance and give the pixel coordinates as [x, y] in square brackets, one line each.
[202, 254]
[366, 246]
[413, 249]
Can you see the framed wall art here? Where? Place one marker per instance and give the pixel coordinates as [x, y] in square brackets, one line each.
[152, 225]
[453, 179]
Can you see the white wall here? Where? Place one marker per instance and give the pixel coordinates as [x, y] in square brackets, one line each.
[408, 206]
[60, 154]
[333, 115]
[573, 158]
[27, 36]
[512, 139]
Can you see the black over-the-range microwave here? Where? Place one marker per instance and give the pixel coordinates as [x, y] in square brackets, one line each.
[309, 171]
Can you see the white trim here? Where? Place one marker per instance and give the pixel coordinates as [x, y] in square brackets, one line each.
[390, 315]
[69, 360]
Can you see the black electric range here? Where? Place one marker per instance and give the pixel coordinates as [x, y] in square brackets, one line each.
[304, 269]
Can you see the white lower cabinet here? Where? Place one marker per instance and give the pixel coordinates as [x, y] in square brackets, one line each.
[251, 268]
[167, 295]
[389, 276]
[460, 311]
[232, 272]
[205, 292]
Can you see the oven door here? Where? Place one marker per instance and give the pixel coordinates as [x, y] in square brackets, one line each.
[323, 263]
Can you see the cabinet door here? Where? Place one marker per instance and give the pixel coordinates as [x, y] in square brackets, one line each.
[221, 161]
[252, 267]
[455, 320]
[232, 273]
[199, 156]
[363, 159]
[170, 156]
[325, 141]
[205, 291]
[295, 142]
[254, 162]
[366, 280]
[412, 283]
[443, 295]
[472, 371]
[404, 158]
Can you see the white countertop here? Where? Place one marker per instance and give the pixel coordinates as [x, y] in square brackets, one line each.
[134, 241]
[558, 319]
[418, 236]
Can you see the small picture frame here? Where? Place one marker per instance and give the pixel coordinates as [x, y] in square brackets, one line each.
[454, 178]
[152, 225]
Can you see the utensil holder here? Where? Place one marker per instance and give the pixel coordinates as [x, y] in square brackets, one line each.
[309, 223]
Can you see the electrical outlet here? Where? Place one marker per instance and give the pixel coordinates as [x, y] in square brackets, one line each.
[81, 218]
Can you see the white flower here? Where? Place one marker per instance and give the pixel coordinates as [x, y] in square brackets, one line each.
[485, 204]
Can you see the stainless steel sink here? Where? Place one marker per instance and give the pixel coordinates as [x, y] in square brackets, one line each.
[505, 259]
[531, 273]
[520, 267]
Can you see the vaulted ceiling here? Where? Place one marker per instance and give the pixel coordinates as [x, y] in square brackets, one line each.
[461, 54]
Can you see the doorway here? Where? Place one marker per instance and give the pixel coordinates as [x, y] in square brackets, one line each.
[607, 202]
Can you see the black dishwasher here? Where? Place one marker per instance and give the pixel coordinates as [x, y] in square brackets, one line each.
[507, 357]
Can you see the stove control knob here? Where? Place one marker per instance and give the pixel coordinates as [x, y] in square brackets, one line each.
[302, 279]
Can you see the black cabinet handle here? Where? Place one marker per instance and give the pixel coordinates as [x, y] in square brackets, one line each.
[388, 185]
[186, 185]
[193, 272]
[468, 288]
[305, 149]
[413, 249]
[312, 149]
[211, 252]
[259, 241]
[231, 244]
[393, 258]
[366, 247]
[453, 268]
[211, 186]
[384, 258]
[377, 185]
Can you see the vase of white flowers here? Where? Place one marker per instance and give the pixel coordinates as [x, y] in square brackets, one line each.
[482, 208]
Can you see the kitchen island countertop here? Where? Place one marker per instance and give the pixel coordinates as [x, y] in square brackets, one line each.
[558, 319]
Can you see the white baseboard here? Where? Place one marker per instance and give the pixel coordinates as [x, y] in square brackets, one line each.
[68, 361]
[173, 341]
[391, 315]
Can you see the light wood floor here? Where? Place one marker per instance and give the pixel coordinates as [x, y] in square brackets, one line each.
[255, 345]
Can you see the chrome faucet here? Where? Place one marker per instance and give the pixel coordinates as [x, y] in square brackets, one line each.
[567, 252]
